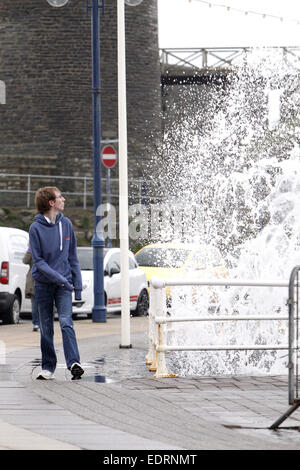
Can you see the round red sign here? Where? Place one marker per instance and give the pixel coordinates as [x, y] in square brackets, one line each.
[109, 156]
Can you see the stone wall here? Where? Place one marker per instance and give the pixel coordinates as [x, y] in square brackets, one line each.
[45, 62]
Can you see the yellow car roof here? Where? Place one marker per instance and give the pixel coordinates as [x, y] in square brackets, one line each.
[178, 245]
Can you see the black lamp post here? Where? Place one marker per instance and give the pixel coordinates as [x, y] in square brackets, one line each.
[99, 309]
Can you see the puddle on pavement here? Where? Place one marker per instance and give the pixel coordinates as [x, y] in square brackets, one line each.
[99, 370]
[91, 369]
[98, 378]
[35, 362]
[100, 360]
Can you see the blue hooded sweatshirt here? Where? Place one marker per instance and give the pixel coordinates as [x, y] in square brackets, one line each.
[54, 253]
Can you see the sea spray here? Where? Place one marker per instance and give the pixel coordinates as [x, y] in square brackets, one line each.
[233, 153]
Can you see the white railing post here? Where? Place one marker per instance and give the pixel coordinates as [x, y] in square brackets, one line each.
[161, 367]
[150, 358]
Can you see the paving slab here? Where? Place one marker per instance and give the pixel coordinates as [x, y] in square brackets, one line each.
[118, 404]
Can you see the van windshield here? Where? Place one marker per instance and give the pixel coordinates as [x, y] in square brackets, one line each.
[18, 245]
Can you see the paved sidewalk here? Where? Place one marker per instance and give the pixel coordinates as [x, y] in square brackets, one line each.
[118, 404]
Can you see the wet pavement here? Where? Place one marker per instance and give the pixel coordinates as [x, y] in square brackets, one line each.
[119, 405]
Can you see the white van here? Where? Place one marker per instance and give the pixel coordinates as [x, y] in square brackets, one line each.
[13, 246]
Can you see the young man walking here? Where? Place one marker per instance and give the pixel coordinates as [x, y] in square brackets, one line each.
[56, 273]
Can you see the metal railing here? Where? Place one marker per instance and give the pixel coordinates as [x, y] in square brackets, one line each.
[293, 365]
[293, 303]
[158, 319]
[27, 185]
[199, 58]
[2, 92]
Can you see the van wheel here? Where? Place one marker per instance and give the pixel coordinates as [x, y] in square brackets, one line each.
[13, 313]
[142, 304]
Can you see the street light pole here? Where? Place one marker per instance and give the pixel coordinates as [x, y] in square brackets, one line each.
[123, 180]
[123, 175]
[99, 309]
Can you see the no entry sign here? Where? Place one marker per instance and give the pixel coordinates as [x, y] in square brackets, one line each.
[109, 156]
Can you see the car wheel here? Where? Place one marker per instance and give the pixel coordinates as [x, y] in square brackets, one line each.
[13, 313]
[142, 304]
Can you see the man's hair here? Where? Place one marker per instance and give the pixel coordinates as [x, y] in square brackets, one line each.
[43, 196]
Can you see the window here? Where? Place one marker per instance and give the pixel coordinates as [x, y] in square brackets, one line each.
[132, 263]
[113, 262]
[204, 258]
[162, 257]
[18, 245]
[85, 257]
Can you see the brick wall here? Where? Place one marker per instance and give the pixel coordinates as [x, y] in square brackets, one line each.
[45, 61]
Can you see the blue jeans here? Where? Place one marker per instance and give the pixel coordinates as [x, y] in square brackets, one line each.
[46, 295]
[34, 311]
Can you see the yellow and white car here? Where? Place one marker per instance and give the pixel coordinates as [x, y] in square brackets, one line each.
[170, 260]
[180, 260]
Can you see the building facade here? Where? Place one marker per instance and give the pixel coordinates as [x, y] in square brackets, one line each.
[45, 62]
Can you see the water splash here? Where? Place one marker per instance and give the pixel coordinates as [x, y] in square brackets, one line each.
[226, 151]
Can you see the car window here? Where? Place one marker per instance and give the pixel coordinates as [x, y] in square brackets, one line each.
[132, 263]
[204, 258]
[114, 262]
[18, 245]
[85, 257]
[162, 257]
[198, 261]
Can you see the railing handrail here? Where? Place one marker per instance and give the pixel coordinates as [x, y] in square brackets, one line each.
[160, 283]
[202, 54]
[161, 320]
[29, 175]
[136, 183]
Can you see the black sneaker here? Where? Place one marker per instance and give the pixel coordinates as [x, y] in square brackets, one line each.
[76, 371]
